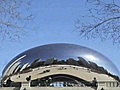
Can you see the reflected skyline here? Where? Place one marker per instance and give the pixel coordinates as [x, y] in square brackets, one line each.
[61, 52]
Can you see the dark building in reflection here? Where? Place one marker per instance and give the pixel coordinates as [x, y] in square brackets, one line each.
[63, 65]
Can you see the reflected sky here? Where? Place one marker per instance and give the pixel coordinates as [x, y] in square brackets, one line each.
[63, 52]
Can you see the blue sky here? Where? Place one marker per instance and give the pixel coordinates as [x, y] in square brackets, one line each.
[55, 21]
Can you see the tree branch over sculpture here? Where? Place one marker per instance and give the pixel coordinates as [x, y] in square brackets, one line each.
[15, 16]
[102, 21]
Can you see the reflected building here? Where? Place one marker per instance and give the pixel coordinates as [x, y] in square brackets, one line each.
[61, 65]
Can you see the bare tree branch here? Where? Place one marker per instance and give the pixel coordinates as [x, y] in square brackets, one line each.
[15, 17]
[102, 21]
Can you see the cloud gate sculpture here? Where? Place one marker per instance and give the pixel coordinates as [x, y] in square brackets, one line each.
[58, 61]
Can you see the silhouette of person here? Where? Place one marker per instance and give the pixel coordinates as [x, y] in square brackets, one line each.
[94, 83]
[102, 89]
[49, 80]
[9, 82]
[28, 78]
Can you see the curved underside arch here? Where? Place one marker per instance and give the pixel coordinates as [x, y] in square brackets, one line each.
[60, 80]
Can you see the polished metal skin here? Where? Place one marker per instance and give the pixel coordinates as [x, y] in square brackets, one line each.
[60, 51]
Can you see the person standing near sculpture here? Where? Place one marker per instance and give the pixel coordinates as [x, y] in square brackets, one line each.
[94, 83]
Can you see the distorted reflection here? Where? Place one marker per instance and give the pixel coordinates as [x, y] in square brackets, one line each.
[68, 54]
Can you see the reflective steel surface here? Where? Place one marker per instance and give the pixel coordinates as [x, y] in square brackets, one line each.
[60, 52]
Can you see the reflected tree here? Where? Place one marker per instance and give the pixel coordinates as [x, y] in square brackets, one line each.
[102, 21]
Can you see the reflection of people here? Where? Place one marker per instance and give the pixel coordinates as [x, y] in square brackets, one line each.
[49, 80]
[102, 89]
[28, 78]
[43, 82]
[94, 83]
[9, 82]
[38, 82]
[117, 84]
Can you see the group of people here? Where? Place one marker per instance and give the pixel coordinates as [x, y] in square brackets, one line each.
[43, 82]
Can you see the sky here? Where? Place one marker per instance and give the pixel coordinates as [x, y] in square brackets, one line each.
[55, 21]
